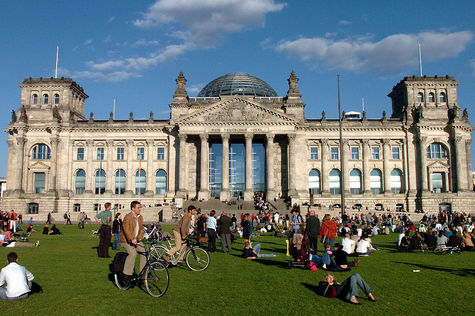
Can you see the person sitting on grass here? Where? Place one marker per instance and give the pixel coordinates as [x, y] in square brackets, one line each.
[403, 244]
[348, 290]
[341, 258]
[45, 230]
[416, 242]
[467, 241]
[441, 241]
[364, 247]
[254, 253]
[455, 240]
[55, 230]
[430, 238]
[18, 280]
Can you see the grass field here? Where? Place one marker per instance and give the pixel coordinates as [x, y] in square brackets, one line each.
[75, 282]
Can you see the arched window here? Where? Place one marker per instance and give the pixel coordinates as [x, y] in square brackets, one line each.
[420, 97]
[100, 183]
[314, 181]
[35, 98]
[431, 97]
[120, 181]
[56, 98]
[161, 182]
[41, 152]
[436, 151]
[396, 181]
[80, 181]
[45, 98]
[376, 181]
[140, 181]
[335, 181]
[442, 97]
[355, 182]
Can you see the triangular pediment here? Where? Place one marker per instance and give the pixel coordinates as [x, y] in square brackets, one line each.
[237, 110]
[437, 165]
[39, 165]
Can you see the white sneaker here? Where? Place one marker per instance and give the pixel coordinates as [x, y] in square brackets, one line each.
[324, 266]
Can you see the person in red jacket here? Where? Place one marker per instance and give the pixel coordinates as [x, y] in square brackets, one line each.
[328, 230]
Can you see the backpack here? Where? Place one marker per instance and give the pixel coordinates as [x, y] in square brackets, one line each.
[117, 265]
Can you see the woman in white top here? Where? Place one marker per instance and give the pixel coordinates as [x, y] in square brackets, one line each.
[364, 247]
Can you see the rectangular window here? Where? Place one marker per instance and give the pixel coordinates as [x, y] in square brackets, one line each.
[375, 153]
[140, 153]
[80, 153]
[313, 153]
[355, 153]
[77, 208]
[100, 153]
[334, 153]
[97, 207]
[438, 182]
[39, 182]
[120, 153]
[161, 153]
[396, 155]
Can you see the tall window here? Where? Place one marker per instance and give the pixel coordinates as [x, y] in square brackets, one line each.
[375, 153]
[355, 182]
[396, 181]
[41, 152]
[436, 151]
[80, 183]
[100, 153]
[438, 182]
[355, 153]
[314, 181]
[140, 153]
[161, 182]
[442, 97]
[120, 153]
[376, 181]
[396, 155]
[335, 181]
[40, 182]
[140, 181]
[56, 98]
[313, 153]
[420, 97]
[120, 181]
[334, 153]
[100, 182]
[45, 98]
[431, 97]
[80, 153]
[35, 98]
[160, 153]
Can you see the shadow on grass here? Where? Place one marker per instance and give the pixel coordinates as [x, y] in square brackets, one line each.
[460, 272]
[311, 287]
[267, 262]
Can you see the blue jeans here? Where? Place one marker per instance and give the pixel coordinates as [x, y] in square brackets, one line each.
[116, 244]
[3, 294]
[318, 260]
[349, 287]
[257, 249]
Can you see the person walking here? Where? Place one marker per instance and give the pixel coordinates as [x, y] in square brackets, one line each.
[313, 230]
[211, 230]
[225, 223]
[105, 219]
[116, 230]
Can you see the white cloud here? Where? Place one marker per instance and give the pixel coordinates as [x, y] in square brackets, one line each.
[392, 52]
[112, 18]
[110, 77]
[195, 88]
[344, 22]
[88, 42]
[144, 42]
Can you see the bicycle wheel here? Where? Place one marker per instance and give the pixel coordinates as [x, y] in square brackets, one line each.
[156, 279]
[120, 283]
[156, 253]
[197, 259]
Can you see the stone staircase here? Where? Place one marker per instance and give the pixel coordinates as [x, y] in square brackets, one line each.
[219, 206]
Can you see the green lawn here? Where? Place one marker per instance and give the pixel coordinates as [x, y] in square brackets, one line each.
[75, 282]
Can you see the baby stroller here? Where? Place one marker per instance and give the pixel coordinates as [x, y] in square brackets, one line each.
[299, 250]
[278, 230]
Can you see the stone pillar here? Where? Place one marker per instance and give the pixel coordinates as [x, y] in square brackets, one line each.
[366, 168]
[460, 155]
[386, 167]
[345, 155]
[204, 168]
[249, 192]
[171, 160]
[292, 168]
[149, 186]
[423, 164]
[109, 171]
[129, 176]
[54, 154]
[15, 159]
[324, 174]
[469, 165]
[182, 166]
[270, 167]
[90, 172]
[224, 195]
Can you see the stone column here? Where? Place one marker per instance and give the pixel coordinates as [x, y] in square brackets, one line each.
[110, 183]
[249, 192]
[204, 168]
[90, 172]
[182, 166]
[324, 174]
[345, 156]
[149, 186]
[460, 155]
[171, 160]
[52, 175]
[386, 167]
[18, 146]
[366, 167]
[423, 164]
[270, 167]
[224, 195]
[292, 167]
[469, 165]
[129, 176]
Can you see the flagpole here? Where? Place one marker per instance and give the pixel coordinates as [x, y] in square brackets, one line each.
[342, 160]
[420, 59]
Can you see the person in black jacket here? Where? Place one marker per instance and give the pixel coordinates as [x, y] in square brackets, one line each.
[313, 230]
[116, 230]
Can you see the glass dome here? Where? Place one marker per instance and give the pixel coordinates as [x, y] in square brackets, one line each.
[237, 83]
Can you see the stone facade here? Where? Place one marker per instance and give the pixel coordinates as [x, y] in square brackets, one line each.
[418, 158]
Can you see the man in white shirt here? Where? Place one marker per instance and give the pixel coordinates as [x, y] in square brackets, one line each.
[18, 280]
[348, 244]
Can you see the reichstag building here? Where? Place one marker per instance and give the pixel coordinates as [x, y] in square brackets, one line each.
[237, 137]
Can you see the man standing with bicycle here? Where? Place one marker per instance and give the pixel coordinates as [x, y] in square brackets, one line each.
[132, 233]
[181, 232]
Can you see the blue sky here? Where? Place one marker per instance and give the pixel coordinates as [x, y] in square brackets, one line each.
[133, 50]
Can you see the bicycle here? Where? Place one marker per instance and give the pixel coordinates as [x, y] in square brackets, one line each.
[196, 258]
[154, 275]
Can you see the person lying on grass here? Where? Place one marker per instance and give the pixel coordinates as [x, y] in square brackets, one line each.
[348, 290]
[254, 253]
